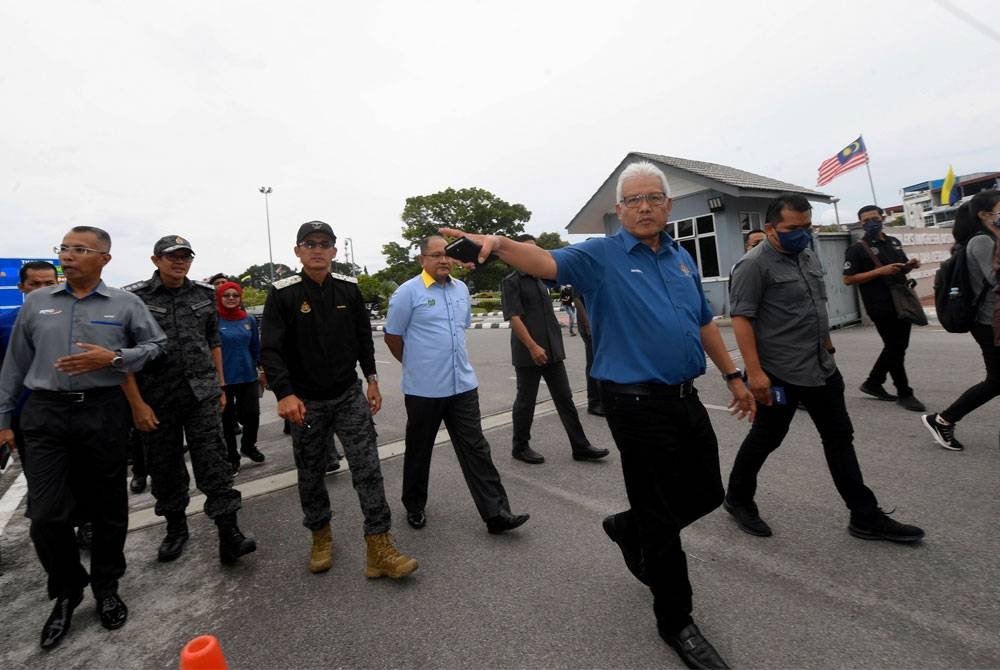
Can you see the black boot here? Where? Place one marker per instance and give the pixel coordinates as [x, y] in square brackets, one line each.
[177, 536]
[232, 542]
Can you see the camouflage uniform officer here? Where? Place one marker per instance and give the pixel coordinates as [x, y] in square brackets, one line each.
[314, 332]
[181, 396]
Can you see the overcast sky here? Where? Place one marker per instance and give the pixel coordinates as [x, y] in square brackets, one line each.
[149, 119]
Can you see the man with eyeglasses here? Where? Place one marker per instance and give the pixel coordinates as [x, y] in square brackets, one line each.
[425, 331]
[72, 346]
[873, 264]
[315, 332]
[180, 396]
[642, 287]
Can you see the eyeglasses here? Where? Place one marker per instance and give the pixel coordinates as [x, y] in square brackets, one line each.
[178, 258]
[312, 244]
[654, 199]
[231, 296]
[75, 250]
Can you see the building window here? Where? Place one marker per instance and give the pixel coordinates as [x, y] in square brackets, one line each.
[751, 221]
[697, 236]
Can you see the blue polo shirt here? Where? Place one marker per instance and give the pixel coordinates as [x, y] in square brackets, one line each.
[646, 309]
[432, 318]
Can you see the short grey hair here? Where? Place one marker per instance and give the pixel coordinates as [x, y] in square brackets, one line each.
[641, 169]
[425, 242]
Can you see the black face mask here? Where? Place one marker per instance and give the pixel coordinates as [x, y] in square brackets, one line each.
[873, 227]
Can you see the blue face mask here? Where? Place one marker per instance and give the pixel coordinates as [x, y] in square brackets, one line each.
[872, 228]
[795, 241]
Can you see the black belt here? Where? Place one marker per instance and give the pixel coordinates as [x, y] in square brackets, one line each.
[77, 396]
[650, 389]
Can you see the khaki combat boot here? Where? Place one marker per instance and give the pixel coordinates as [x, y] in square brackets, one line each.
[322, 550]
[384, 560]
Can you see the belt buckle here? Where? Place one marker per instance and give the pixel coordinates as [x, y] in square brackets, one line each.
[685, 389]
[76, 396]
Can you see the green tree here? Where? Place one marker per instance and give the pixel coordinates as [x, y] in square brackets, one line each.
[551, 241]
[341, 268]
[252, 297]
[474, 210]
[259, 276]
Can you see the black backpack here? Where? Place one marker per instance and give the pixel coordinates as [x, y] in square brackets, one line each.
[955, 301]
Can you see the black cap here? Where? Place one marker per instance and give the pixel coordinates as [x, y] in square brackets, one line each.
[310, 227]
[171, 243]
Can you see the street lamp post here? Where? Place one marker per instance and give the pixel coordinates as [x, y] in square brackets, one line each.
[836, 212]
[349, 253]
[266, 190]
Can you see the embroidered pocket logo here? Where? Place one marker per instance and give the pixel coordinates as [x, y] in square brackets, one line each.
[305, 308]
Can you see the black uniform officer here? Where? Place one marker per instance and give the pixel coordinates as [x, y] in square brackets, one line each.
[181, 397]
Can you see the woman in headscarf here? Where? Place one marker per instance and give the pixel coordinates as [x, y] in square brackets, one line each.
[241, 366]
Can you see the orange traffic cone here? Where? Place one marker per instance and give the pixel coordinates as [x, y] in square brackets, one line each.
[203, 653]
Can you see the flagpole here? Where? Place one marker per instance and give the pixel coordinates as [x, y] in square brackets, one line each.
[869, 170]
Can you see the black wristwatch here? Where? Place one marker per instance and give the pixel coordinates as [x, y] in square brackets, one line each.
[733, 375]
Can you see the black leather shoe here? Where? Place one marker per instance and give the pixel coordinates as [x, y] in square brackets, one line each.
[112, 611]
[876, 391]
[596, 410]
[591, 453]
[501, 523]
[177, 536]
[911, 403]
[528, 455]
[85, 536]
[416, 519]
[232, 542]
[748, 518]
[254, 454]
[138, 484]
[694, 649]
[332, 466]
[57, 625]
[615, 528]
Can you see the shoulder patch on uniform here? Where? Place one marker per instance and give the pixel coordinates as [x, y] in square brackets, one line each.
[347, 278]
[203, 284]
[136, 286]
[287, 281]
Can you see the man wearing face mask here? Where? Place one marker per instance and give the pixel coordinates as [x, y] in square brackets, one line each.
[874, 263]
[778, 307]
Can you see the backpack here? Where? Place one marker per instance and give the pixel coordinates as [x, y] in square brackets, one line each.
[955, 301]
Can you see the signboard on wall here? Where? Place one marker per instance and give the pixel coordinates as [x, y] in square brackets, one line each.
[10, 270]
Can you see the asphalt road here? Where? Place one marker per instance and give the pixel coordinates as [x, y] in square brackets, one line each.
[555, 593]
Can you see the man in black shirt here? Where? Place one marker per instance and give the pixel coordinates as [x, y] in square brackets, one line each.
[315, 330]
[874, 263]
[537, 351]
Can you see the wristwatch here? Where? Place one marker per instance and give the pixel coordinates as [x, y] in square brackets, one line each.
[733, 375]
[118, 362]
[372, 378]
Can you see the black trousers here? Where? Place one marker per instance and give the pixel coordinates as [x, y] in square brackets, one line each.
[670, 462]
[78, 473]
[243, 405]
[980, 394]
[138, 453]
[461, 417]
[895, 334]
[828, 412]
[523, 413]
[593, 386]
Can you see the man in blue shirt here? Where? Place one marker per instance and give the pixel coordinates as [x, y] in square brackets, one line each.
[652, 329]
[32, 275]
[425, 331]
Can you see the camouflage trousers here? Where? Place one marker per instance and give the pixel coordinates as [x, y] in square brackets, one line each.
[349, 417]
[201, 423]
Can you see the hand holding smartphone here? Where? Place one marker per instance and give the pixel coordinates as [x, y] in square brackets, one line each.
[465, 250]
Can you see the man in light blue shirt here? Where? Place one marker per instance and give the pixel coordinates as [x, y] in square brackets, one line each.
[425, 331]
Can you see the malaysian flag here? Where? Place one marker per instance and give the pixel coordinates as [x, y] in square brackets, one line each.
[848, 158]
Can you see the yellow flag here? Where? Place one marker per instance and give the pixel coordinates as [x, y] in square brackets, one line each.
[949, 194]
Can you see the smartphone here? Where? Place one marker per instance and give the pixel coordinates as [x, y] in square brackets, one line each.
[778, 396]
[467, 251]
